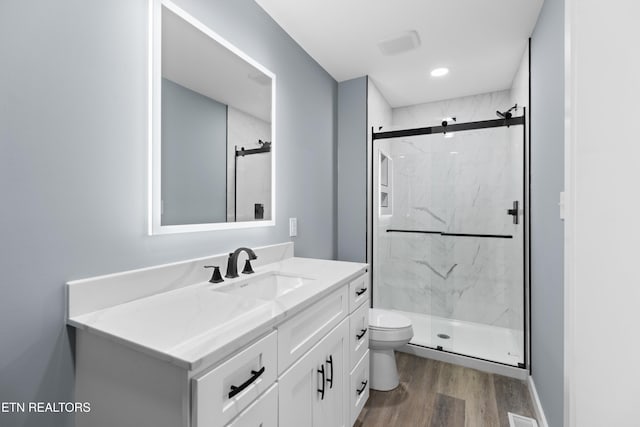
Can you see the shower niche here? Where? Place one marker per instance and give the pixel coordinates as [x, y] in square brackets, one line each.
[385, 187]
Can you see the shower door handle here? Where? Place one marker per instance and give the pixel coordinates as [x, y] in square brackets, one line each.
[514, 212]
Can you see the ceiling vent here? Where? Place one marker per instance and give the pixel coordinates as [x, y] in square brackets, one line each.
[400, 43]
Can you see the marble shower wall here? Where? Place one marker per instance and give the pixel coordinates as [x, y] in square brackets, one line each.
[460, 184]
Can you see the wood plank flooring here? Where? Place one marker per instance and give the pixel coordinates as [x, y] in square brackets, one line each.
[438, 394]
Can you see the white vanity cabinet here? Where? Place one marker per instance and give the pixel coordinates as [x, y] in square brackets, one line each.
[328, 385]
[358, 387]
[307, 368]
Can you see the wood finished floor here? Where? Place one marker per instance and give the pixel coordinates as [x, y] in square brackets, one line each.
[438, 394]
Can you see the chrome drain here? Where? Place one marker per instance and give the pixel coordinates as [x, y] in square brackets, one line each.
[444, 336]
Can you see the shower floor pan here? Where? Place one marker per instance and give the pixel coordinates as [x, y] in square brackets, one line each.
[487, 342]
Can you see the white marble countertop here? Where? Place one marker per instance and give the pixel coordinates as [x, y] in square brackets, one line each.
[198, 325]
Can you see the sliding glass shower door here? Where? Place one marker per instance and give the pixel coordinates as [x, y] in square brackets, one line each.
[449, 238]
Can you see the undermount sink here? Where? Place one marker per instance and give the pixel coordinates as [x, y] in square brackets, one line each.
[267, 287]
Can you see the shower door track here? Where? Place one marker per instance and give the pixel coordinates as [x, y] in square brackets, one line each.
[454, 127]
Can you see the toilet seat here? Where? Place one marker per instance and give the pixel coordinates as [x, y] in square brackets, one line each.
[386, 325]
[391, 335]
[385, 319]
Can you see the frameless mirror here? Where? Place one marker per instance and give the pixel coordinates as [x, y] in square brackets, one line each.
[211, 129]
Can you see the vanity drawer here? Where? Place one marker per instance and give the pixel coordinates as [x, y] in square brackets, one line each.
[359, 387]
[359, 291]
[358, 333]
[263, 412]
[299, 334]
[222, 393]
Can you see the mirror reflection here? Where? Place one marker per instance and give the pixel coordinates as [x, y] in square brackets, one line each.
[216, 130]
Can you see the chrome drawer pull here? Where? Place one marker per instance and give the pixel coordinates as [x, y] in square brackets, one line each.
[254, 376]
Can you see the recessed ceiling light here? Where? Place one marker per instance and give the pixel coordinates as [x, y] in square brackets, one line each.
[439, 72]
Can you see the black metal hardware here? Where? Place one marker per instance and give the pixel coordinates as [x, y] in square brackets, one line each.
[363, 388]
[216, 277]
[321, 390]
[361, 291]
[232, 262]
[455, 127]
[330, 363]
[254, 376]
[247, 268]
[494, 236]
[361, 334]
[514, 211]
[439, 348]
[242, 152]
[444, 233]
[258, 211]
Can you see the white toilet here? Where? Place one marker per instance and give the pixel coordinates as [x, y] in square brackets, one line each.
[387, 331]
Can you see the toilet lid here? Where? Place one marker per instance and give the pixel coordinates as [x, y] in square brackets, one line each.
[386, 319]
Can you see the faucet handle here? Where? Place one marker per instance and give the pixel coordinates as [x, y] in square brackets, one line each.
[216, 277]
[247, 267]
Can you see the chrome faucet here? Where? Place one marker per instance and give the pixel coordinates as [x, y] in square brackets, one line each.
[232, 263]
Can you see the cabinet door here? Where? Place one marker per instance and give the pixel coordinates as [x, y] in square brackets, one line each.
[299, 399]
[312, 391]
[335, 405]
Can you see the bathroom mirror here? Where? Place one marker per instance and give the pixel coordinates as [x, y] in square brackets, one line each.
[212, 133]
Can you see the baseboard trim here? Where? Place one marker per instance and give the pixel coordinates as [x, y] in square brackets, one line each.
[468, 362]
[537, 406]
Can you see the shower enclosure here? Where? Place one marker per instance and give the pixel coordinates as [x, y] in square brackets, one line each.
[449, 235]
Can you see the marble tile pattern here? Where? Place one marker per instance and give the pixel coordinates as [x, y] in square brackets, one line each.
[462, 184]
[254, 172]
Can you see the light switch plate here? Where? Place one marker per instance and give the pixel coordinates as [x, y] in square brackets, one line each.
[293, 227]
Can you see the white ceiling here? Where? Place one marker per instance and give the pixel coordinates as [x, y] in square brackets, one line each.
[481, 42]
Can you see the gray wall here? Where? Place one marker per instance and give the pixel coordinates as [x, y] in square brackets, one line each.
[547, 230]
[194, 157]
[73, 167]
[352, 170]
